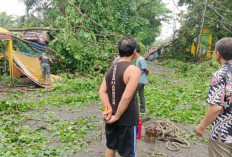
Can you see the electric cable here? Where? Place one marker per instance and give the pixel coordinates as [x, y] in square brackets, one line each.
[212, 7]
[177, 6]
[220, 21]
[224, 8]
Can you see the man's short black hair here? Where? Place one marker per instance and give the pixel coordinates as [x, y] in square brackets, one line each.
[126, 46]
[138, 48]
[224, 47]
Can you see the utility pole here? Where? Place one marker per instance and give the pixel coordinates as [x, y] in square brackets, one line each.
[199, 34]
[174, 22]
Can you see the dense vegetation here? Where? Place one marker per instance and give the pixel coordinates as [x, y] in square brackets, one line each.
[180, 95]
[29, 126]
[88, 31]
[217, 18]
[177, 95]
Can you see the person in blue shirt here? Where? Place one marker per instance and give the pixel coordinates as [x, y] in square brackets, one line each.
[142, 65]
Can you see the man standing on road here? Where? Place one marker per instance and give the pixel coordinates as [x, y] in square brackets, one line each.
[142, 65]
[219, 113]
[117, 93]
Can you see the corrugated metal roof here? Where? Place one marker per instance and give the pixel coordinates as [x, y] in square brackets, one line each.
[5, 34]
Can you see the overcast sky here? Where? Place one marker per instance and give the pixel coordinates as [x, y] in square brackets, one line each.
[16, 7]
[12, 7]
[168, 28]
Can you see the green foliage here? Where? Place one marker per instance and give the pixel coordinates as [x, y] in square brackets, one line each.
[18, 139]
[5, 79]
[10, 107]
[6, 21]
[3, 46]
[90, 29]
[180, 48]
[29, 125]
[217, 19]
[29, 128]
[77, 85]
[180, 95]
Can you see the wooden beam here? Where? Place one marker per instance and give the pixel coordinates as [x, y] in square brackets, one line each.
[33, 29]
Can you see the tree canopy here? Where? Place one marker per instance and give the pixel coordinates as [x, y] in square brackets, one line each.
[6, 21]
[217, 18]
[89, 29]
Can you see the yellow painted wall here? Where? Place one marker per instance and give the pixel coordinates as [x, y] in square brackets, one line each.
[209, 52]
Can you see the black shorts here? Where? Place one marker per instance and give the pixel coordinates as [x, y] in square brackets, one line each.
[122, 139]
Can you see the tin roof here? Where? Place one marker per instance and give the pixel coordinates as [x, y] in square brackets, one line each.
[5, 34]
[35, 36]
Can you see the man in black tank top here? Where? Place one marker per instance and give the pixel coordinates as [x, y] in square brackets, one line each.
[117, 93]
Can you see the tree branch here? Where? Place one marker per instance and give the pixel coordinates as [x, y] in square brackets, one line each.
[143, 4]
[82, 14]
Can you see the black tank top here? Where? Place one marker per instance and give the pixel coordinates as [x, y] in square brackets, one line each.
[115, 88]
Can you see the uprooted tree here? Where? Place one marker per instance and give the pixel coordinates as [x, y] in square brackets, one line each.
[217, 18]
[89, 30]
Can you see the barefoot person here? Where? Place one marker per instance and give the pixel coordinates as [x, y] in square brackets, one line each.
[219, 114]
[117, 92]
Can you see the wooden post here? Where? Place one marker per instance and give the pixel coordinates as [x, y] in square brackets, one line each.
[199, 35]
[10, 56]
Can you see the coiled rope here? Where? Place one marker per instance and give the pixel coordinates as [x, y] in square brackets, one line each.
[167, 131]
